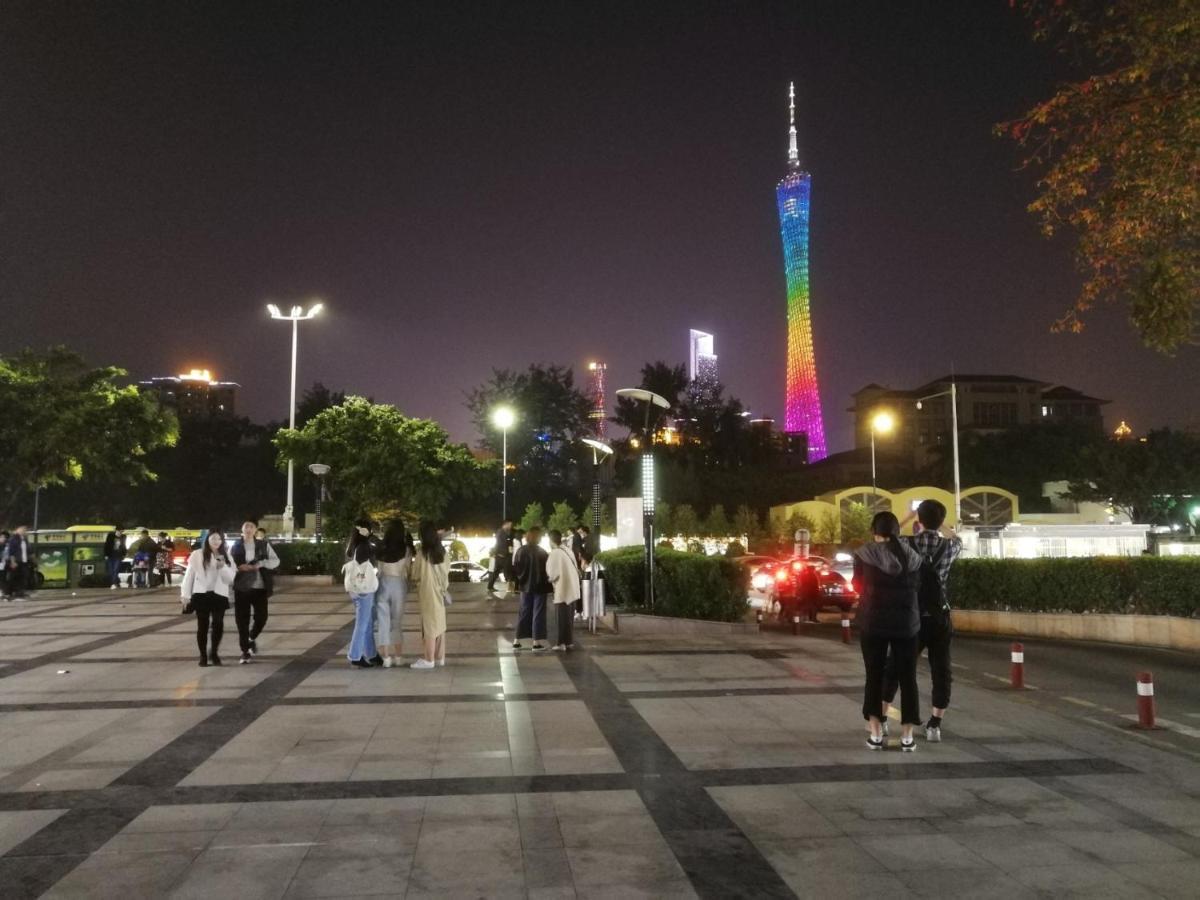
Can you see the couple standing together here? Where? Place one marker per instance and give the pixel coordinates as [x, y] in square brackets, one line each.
[540, 574]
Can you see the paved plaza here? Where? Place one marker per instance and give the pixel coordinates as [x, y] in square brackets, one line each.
[723, 766]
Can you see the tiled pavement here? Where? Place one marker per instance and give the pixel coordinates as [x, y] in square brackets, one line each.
[633, 767]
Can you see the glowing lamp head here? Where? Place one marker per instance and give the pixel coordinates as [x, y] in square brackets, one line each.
[883, 422]
[503, 417]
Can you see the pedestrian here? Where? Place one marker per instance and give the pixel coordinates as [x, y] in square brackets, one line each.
[431, 575]
[114, 555]
[581, 546]
[143, 551]
[938, 547]
[4, 589]
[164, 561]
[205, 591]
[361, 581]
[563, 573]
[502, 549]
[256, 562]
[529, 568]
[18, 564]
[887, 572]
[395, 559]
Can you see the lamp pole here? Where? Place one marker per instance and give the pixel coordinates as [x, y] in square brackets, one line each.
[651, 400]
[598, 448]
[503, 418]
[320, 470]
[882, 422]
[953, 394]
[296, 316]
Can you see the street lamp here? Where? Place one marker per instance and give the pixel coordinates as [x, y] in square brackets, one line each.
[320, 470]
[881, 423]
[651, 399]
[503, 418]
[599, 449]
[296, 316]
[953, 394]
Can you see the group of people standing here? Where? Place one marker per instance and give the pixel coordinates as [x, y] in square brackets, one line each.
[147, 556]
[217, 570]
[377, 575]
[904, 609]
[540, 574]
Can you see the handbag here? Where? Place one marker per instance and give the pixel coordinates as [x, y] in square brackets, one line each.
[188, 608]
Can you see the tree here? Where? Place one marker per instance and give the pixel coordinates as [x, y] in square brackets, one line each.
[663, 522]
[746, 522]
[317, 399]
[563, 518]
[384, 464]
[668, 381]
[1119, 152]
[717, 524]
[827, 531]
[533, 517]
[1151, 481]
[856, 523]
[685, 520]
[65, 421]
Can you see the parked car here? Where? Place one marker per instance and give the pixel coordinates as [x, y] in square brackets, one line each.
[802, 586]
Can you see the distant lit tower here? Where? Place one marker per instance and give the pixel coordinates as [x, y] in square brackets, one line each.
[702, 361]
[802, 412]
[599, 413]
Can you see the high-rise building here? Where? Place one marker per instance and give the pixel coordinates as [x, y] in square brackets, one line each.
[802, 409]
[702, 361]
[599, 413]
[194, 395]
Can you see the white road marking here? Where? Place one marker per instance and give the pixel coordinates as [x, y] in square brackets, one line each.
[1078, 702]
[1170, 725]
[1142, 736]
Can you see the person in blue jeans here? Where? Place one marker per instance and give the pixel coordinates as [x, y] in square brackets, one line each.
[114, 554]
[529, 568]
[361, 581]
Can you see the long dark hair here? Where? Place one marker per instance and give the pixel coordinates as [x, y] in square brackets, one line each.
[359, 547]
[886, 525]
[208, 548]
[431, 543]
[397, 542]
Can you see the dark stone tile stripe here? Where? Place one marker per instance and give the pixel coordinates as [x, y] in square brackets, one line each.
[33, 866]
[24, 665]
[718, 858]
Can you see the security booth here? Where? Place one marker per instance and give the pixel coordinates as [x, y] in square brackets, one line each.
[51, 553]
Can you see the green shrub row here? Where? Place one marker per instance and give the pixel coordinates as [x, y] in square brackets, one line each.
[687, 585]
[304, 558]
[1147, 585]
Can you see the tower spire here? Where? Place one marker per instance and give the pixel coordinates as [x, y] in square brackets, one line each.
[793, 152]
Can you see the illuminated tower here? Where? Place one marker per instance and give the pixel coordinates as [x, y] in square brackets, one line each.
[802, 412]
[702, 361]
[599, 413]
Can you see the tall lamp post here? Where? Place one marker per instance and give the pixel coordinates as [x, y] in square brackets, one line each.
[881, 423]
[599, 449]
[651, 399]
[320, 470]
[296, 316]
[503, 418]
[953, 395]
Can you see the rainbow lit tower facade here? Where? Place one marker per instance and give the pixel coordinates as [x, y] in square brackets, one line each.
[802, 411]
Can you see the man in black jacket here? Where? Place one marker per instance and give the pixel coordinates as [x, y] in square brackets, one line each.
[502, 550]
[114, 553]
[529, 567]
[256, 561]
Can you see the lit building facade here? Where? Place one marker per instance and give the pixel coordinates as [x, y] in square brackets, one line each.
[596, 393]
[194, 395]
[802, 410]
[702, 358]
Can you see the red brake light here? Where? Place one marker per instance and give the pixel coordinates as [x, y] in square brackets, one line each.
[797, 566]
[781, 574]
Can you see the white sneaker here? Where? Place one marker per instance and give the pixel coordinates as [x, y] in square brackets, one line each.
[933, 734]
[441, 662]
[112, 587]
[422, 664]
[559, 647]
[388, 662]
[908, 745]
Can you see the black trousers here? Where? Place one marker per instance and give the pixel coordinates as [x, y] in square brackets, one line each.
[203, 619]
[904, 653]
[936, 634]
[245, 602]
[564, 621]
[503, 566]
[18, 578]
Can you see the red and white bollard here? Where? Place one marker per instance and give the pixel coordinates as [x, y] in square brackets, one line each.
[795, 623]
[1018, 666]
[1145, 695]
[845, 630]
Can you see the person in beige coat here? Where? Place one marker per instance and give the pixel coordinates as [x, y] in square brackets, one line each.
[431, 574]
[564, 575]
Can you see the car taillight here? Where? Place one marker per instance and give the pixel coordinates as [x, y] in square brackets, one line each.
[797, 566]
[781, 574]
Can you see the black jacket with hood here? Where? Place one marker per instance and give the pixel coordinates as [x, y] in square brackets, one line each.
[887, 587]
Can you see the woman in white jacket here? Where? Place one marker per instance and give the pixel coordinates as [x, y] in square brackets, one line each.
[564, 575]
[206, 586]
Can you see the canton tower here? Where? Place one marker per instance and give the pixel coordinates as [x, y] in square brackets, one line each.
[802, 412]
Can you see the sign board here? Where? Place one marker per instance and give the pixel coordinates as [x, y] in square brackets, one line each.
[629, 522]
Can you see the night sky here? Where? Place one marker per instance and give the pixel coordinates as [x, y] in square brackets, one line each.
[476, 185]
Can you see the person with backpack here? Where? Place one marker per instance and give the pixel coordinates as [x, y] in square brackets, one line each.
[256, 561]
[564, 577]
[939, 547]
[361, 581]
[205, 591]
[886, 573]
[395, 559]
[431, 575]
[529, 567]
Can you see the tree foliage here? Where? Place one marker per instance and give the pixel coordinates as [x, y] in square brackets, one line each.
[64, 421]
[716, 524]
[383, 463]
[1152, 481]
[315, 400]
[746, 522]
[685, 521]
[533, 517]
[562, 518]
[1119, 156]
[669, 382]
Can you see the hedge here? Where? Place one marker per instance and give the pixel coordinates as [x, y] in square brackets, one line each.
[1146, 585]
[304, 558]
[685, 584]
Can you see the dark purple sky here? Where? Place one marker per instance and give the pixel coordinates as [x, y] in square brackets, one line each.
[475, 185]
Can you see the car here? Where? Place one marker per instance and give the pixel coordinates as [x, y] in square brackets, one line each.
[469, 572]
[801, 586]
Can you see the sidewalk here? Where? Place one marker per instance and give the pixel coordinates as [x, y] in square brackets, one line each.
[652, 766]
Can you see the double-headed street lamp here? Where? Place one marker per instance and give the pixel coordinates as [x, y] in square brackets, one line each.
[881, 423]
[503, 418]
[953, 395]
[296, 316]
[651, 399]
[599, 449]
